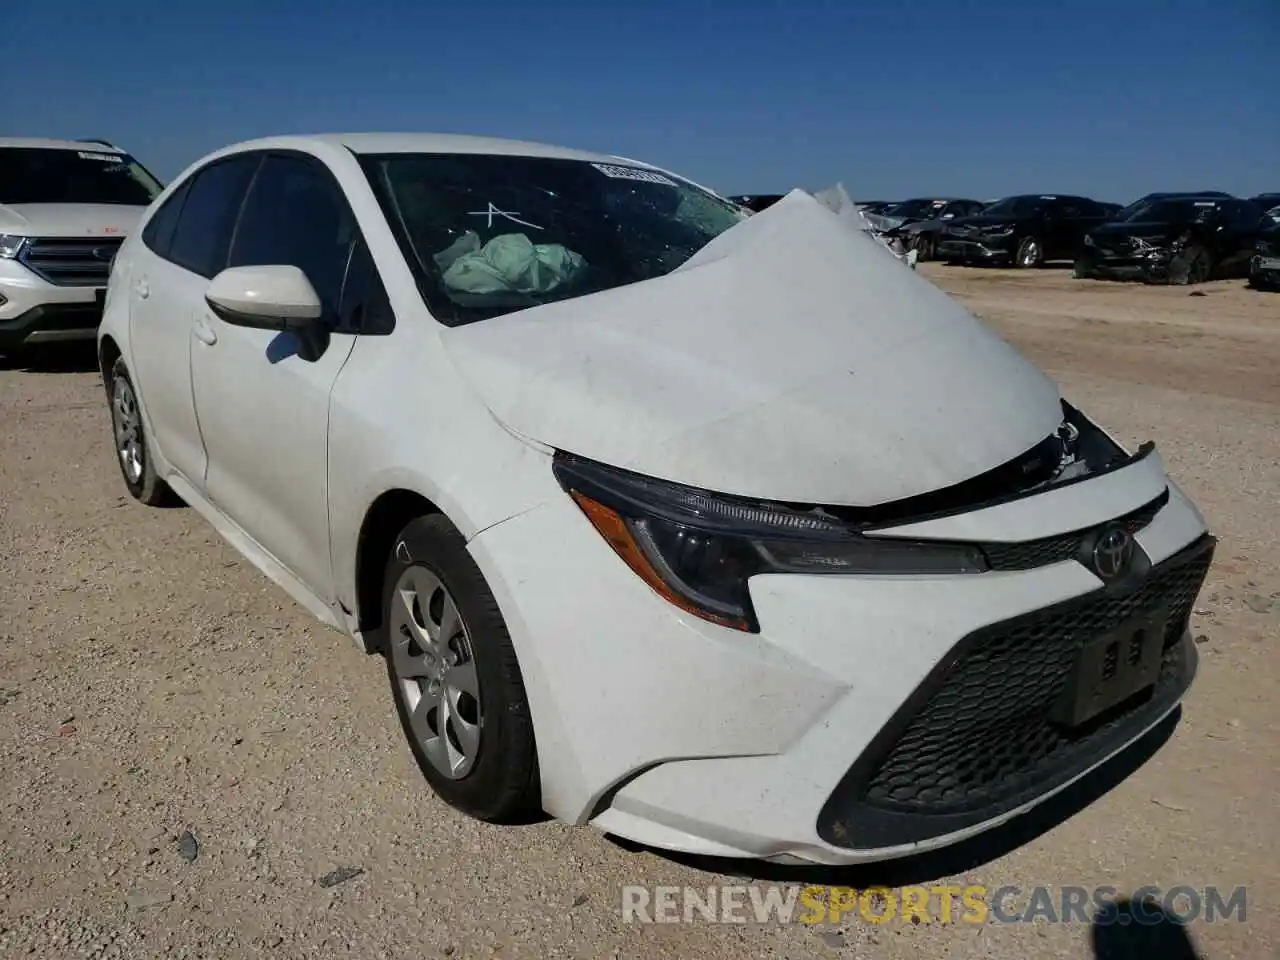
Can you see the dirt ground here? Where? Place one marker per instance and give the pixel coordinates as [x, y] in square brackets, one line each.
[152, 683]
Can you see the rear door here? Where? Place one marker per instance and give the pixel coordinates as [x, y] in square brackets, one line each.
[182, 245]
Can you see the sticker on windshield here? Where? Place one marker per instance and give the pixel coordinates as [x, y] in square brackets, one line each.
[104, 157]
[633, 173]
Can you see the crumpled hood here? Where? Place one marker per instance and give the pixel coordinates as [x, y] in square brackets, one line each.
[793, 358]
[68, 219]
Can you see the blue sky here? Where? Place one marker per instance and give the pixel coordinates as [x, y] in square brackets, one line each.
[1110, 98]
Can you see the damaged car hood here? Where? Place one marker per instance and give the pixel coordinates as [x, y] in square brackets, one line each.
[792, 358]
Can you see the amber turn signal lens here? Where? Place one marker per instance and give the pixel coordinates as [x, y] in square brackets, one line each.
[618, 535]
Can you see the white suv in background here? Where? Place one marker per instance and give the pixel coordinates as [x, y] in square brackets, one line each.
[65, 208]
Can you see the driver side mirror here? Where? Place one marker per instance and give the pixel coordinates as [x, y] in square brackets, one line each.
[271, 297]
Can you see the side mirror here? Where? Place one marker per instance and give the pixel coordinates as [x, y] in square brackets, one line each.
[271, 297]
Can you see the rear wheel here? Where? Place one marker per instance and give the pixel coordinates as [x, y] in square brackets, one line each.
[455, 678]
[132, 453]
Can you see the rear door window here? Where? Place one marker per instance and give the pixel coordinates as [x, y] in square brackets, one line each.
[209, 214]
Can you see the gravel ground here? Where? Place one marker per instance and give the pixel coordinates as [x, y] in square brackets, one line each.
[190, 765]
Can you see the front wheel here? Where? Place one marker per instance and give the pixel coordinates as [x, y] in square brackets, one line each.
[1190, 266]
[1029, 253]
[130, 439]
[455, 678]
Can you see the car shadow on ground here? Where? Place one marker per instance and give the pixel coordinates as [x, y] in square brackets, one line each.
[54, 358]
[1137, 931]
[960, 858]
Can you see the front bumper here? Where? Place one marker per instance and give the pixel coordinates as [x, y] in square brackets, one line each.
[34, 311]
[51, 323]
[1265, 271]
[975, 251]
[1152, 267]
[841, 732]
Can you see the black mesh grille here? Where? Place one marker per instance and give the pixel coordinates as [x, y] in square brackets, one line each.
[1038, 553]
[985, 735]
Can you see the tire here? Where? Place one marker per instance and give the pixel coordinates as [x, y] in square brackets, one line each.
[922, 245]
[1191, 266]
[130, 443]
[459, 694]
[1029, 253]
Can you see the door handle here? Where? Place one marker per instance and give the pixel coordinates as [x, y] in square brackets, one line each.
[205, 333]
[142, 289]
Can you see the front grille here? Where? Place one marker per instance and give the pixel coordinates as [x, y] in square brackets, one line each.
[1066, 546]
[976, 739]
[81, 262]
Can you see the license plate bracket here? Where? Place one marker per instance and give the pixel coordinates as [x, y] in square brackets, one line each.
[1112, 668]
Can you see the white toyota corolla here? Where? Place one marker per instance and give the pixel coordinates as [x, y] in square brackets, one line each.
[725, 534]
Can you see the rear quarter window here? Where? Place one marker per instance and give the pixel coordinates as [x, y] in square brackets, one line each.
[158, 233]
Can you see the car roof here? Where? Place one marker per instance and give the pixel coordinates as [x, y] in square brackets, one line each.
[381, 143]
[39, 143]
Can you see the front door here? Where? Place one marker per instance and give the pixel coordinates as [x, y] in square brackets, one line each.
[263, 410]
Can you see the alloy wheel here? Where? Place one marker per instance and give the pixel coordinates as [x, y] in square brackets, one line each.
[1029, 253]
[435, 672]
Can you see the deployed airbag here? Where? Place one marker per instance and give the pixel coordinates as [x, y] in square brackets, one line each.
[509, 263]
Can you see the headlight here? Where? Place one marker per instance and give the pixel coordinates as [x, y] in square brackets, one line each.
[10, 245]
[1000, 231]
[698, 549]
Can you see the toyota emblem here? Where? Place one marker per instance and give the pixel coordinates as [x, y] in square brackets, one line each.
[1112, 553]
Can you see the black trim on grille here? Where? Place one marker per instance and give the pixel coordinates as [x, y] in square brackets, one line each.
[974, 740]
[71, 262]
[1030, 554]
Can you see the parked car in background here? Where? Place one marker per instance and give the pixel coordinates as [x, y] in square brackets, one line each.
[755, 202]
[65, 208]
[1267, 201]
[1264, 266]
[1111, 208]
[1026, 230]
[1147, 198]
[1174, 239]
[916, 223]
[515, 417]
[1271, 204]
[874, 206]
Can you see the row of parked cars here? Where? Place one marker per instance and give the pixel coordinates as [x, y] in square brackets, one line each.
[1179, 238]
